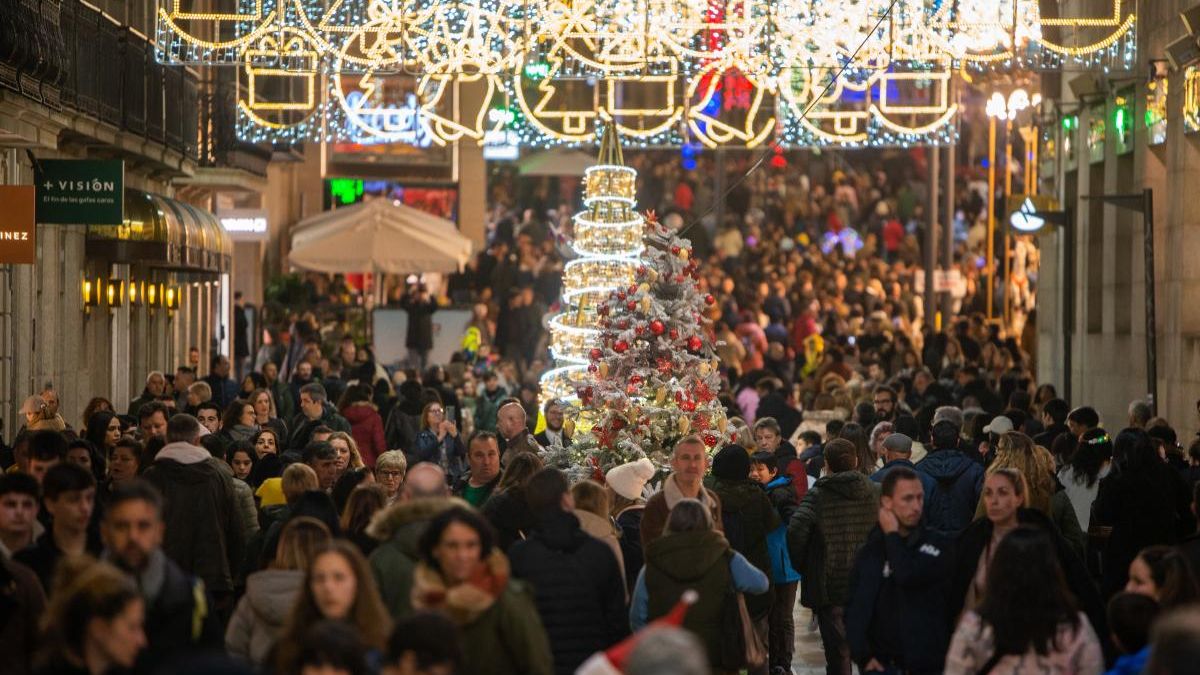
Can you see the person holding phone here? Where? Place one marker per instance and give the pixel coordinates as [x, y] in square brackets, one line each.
[438, 442]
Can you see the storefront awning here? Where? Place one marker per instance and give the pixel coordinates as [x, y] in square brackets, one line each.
[163, 232]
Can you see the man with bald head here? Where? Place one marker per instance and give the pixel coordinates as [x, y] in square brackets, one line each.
[514, 434]
[399, 528]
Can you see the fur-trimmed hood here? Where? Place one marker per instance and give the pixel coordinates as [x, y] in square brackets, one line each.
[386, 523]
[466, 602]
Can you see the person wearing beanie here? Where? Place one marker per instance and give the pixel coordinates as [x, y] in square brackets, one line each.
[689, 463]
[625, 485]
[748, 516]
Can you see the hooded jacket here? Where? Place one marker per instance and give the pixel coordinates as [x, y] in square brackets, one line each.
[577, 585]
[825, 533]
[366, 427]
[203, 529]
[958, 484]
[262, 612]
[783, 498]
[399, 528]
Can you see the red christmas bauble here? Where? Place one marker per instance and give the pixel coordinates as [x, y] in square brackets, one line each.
[674, 333]
[695, 343]
[635, 379]
[632, 289]
[621, 295]
[709, 299]
[631, 305]
[593, 368]
[621, 346]
[596, 353]
[623, 324]
[710, 440]
[641, 270]
[657, 327]
[679, 278]
[675, 250]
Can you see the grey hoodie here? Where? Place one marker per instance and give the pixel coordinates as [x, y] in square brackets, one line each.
[261, 613]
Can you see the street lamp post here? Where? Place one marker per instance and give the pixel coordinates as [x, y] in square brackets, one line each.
[1004, 109]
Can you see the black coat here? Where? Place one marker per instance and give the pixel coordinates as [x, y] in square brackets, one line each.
[509, 514]
[897, 584]
[577, 588]
[176, 625]
[420, 323]
[630, 522]
[1143, 508]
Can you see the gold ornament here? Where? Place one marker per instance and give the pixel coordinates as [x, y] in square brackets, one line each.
[603, 370]
[683, 426]
[705, 369]
[569, 427]
[722, 423]
[683, 254]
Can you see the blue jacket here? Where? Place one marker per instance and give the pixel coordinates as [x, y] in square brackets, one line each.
[1131, 664]
[903, 580]
[783, 497]
[927, 481]
[958, 483]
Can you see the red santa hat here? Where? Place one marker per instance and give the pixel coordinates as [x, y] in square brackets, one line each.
[612, 660]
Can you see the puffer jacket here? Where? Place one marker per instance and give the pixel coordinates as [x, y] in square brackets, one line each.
[783, 498]
[958, 484]
[261, 613]
[398, 528]
[577, 586]
[826, 532]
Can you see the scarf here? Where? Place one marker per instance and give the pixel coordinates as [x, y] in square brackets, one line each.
[672, 494]
[467, 601]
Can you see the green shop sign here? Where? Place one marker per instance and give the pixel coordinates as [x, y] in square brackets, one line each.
[80, 191]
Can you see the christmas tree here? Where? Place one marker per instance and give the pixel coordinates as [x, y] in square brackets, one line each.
[607, 242]
[654, 376]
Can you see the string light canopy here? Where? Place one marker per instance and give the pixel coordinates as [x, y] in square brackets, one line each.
[667, 72]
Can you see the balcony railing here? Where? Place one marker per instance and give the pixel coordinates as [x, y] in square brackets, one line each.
[69, 56]
[219, 144]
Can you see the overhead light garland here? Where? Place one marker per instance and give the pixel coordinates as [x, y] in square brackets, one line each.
[653, 66]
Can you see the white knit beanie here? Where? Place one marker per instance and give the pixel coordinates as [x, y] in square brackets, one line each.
[628, 480]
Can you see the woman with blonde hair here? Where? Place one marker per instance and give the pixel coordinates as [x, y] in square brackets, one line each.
[348, 456]
[1017, 451]
[742, 434]
[270, 594]
[592, 505]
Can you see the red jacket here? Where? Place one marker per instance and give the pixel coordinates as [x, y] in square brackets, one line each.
[367, 429]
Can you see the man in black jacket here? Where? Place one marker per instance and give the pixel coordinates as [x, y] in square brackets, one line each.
[579, 591]
[896, 619]
[203, 533]
[179, 620]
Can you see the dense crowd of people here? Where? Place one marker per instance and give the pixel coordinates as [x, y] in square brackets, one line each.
[931, 506]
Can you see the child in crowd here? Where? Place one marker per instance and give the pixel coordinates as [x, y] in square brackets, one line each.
[781, 624]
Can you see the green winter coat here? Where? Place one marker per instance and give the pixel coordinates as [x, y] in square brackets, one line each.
[746, 508]
[697, 561]
[399, 527]
[501, 631]
[826, 531]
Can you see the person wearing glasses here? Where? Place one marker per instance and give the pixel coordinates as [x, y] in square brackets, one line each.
[438, 442]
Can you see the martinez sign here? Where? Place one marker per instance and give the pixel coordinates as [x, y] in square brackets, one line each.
[18, 229]
[80, 191]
